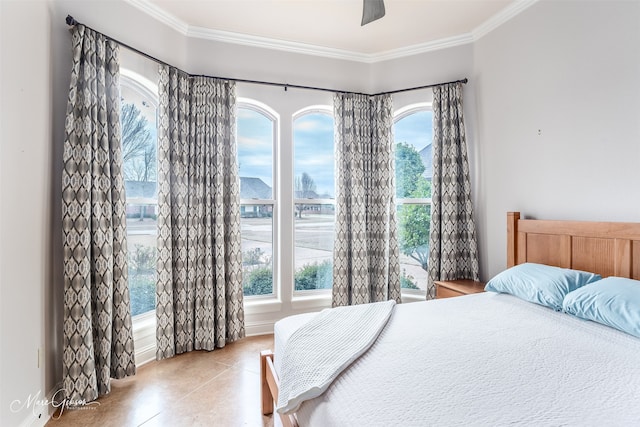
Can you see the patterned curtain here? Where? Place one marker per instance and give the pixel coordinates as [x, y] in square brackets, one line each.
[98, 340]
[199, 291]
[453, 247]
[366, 265]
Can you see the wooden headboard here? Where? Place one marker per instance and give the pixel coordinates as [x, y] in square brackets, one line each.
[605, 248]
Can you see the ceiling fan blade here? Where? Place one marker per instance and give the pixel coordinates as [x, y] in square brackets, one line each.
[372, 10]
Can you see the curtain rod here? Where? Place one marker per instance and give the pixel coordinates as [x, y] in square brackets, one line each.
[72, 22]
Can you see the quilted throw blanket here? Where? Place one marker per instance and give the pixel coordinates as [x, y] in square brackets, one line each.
[316, 353]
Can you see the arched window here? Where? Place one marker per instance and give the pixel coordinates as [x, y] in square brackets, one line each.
[413, 132]
[257, 133]
[139, 101]
[314, 198]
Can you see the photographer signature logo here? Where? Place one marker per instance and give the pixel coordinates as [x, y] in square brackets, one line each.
[34, 402]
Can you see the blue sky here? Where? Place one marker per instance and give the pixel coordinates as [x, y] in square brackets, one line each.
[255, 145]
[313, 150]
[313, 144]
[415, 129]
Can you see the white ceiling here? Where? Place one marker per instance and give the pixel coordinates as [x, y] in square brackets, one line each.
[332, 27]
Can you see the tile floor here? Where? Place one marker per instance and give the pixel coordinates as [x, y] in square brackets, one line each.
[217, 388]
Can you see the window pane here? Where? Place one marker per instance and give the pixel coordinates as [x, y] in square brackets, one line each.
[413, 239]
[256, 164]
[314, 222]
[313, 156]
[142, 256]
[256, 222]
[414, 163]
[255, 154]
[139, 154]
[314, 225]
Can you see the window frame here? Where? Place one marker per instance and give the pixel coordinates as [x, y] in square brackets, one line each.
[261, 312]
[313, 109]
[147, 89]
[274, 117]
[143, 324]
[400, 114]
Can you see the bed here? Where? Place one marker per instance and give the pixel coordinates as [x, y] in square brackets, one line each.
[490, 358]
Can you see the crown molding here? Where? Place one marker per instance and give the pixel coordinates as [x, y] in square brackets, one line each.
[309, 49]
[422, 48]
[160, 15]
[276, 44]
[501, 17]
[315, 50]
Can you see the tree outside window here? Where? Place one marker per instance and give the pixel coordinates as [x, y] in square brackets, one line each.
[413, 195]
[139, 153]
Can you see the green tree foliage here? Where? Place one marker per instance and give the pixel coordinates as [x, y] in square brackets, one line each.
[413, 220]
[406, 282]
[413, 233]
[409, 168]
[257, 275]
[314, 276]
[258, 281]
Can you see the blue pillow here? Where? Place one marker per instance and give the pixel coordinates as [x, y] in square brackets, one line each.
[539, 283]
[613, 301]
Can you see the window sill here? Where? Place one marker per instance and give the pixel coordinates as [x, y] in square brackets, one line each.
[316, 300]
[262, 305]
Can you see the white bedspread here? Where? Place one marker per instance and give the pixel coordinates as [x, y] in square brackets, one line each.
[307, 368]
[282, 330]
[485, 360]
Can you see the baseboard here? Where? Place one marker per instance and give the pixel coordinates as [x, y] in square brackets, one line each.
[39, 419]
[40, 414]
[145, 355]
[258, 328]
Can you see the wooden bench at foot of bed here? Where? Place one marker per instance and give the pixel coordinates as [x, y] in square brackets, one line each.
[269, 387]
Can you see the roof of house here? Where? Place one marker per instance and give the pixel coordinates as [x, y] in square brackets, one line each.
[427, 159]
[254, 188]
[250, 188]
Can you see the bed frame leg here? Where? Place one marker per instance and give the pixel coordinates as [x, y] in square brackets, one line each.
[265, 391]
[270, 389]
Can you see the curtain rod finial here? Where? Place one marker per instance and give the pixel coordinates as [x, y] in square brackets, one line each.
[71, 21]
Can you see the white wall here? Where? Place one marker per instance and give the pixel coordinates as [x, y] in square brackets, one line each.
[25, 204]
[124, 23]
[558, 118]
[252, 63]
[427, 68]
[35, 70]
